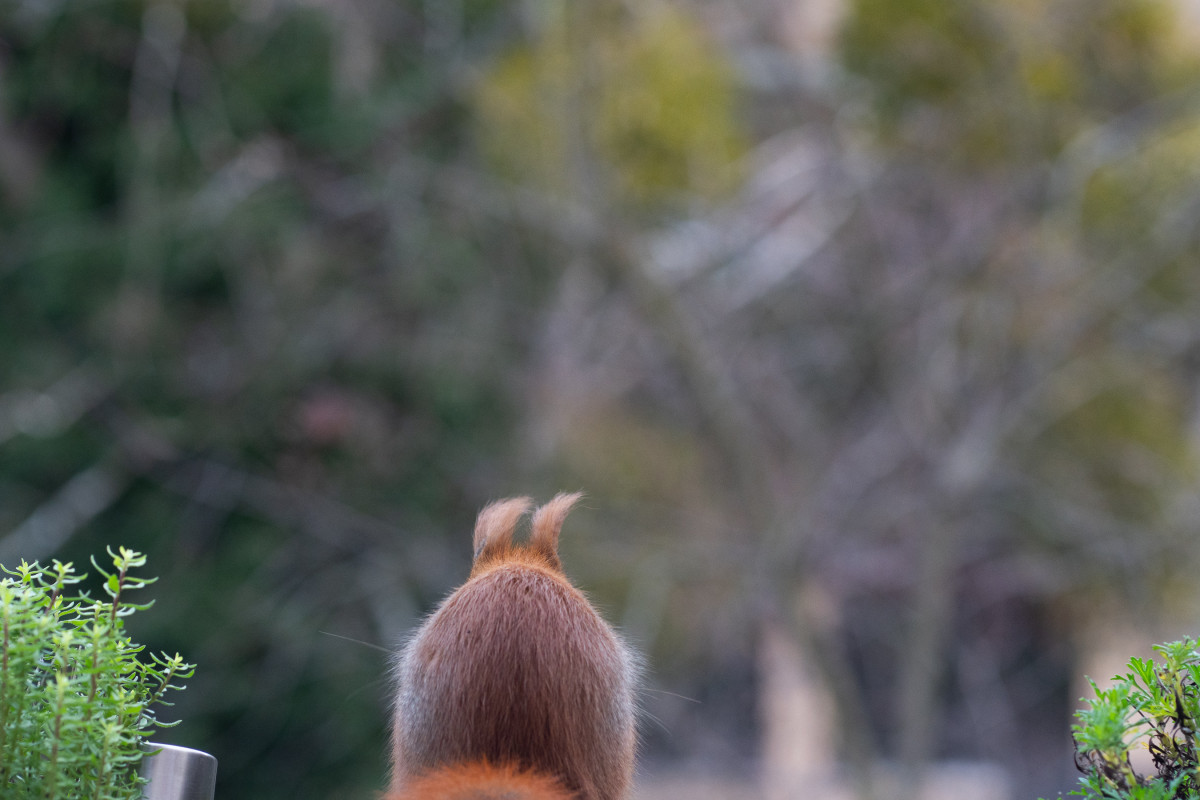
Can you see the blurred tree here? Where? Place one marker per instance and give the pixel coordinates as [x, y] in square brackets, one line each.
[911, 342]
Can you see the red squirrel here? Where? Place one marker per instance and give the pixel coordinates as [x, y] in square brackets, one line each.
[515, 687]
[480, 780]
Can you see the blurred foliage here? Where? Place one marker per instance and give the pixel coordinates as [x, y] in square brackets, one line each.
[1094, 102]
[645, 89]
[202, 227]
[290, 289]
[1115, 446]
[1011, 81]
[1152, 186]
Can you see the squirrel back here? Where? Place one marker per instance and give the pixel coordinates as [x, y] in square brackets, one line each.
[516, 668]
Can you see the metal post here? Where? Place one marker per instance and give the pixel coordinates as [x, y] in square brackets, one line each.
[179, 773]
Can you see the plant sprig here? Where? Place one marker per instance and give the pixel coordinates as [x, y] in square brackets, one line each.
[77, 700]
[1153, 705]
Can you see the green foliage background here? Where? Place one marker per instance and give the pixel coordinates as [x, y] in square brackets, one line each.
[287, 290]
[199, 231]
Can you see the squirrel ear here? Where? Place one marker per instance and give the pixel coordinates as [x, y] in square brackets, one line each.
[547, 523]
[495, 525]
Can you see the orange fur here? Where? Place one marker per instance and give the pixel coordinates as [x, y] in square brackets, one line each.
[481, 781]
[516, 667]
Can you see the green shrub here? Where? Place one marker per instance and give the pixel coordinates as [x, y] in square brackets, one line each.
[1154, 706]
[76, 701]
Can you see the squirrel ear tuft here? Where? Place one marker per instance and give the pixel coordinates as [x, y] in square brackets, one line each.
[495, 525]
[547, 524]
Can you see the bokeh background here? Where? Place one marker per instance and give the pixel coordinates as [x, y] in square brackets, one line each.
[870, 327]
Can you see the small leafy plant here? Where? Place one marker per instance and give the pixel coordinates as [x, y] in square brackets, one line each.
[1153, 705]
[76, 701]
